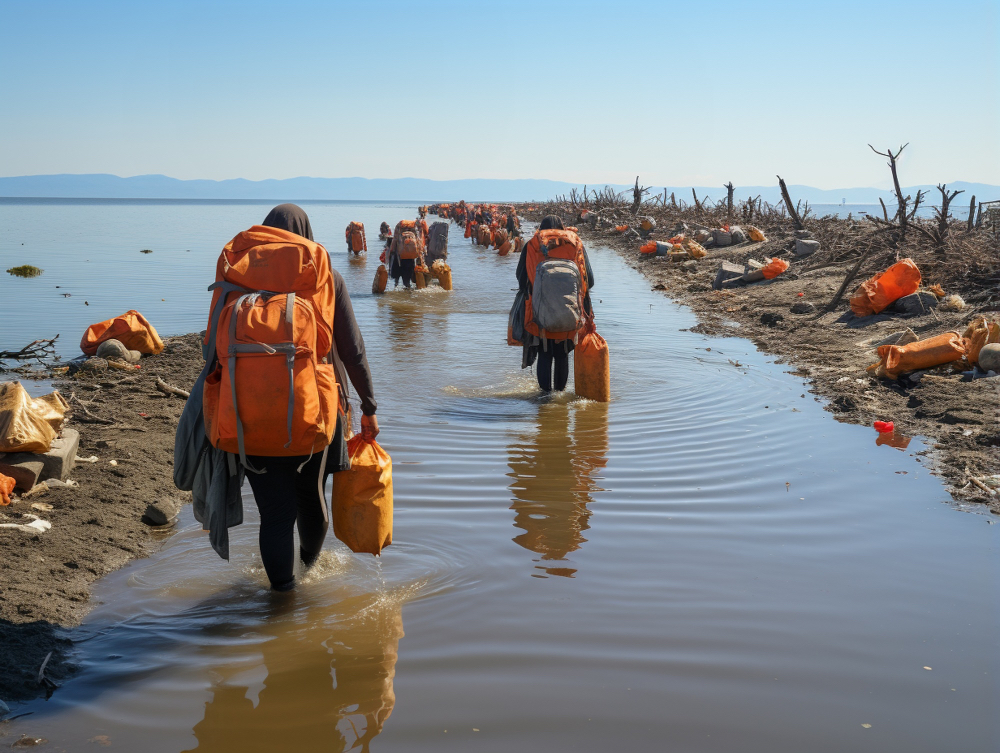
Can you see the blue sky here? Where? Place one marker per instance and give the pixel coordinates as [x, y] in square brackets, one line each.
[682, 94]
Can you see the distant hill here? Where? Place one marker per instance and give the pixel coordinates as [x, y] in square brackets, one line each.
[101, 186]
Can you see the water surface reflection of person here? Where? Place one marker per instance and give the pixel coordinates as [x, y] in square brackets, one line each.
[328, 684]
[552, 475]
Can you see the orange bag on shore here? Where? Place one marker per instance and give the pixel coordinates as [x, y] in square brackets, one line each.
[131, 329]
[774, 268]
[362, 498]
[875, 294]
[6, 489]
[979, 333]
[922, 354]
[591, 367]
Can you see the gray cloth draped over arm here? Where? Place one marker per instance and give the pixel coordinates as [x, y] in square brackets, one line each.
[348, 352]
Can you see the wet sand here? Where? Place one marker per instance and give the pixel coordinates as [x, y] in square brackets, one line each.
[96, 527]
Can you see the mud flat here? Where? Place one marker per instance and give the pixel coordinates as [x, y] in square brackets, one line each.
[828, 346]
[97, 526]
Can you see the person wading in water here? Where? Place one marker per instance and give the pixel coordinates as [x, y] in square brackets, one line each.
[552, 348]
[315, 346]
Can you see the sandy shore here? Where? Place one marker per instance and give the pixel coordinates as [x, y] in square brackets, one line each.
[96, 527]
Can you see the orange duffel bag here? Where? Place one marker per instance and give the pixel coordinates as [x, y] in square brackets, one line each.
[591, 367]
[922, 354]
[131, 329]
[362, 498]
[875, 294]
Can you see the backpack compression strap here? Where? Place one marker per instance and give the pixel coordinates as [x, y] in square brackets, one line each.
[287, 348]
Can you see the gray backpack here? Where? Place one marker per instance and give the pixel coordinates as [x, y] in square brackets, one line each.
[557, 296]
[437, 242]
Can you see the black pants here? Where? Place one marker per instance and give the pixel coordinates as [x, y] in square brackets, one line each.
[286, 498]
[557, 356]
[404, 268]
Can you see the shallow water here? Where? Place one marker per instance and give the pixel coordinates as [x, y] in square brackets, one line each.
[708, 563]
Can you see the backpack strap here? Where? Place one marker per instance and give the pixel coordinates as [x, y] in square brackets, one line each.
[227, 287]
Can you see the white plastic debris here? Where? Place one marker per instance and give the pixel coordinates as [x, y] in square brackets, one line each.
[91, 459]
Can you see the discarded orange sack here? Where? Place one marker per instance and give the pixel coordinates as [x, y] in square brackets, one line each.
[362, 498]
[131, 329]
[621, 228]
[979, 333]
[922, 354]
[756, 234]
[6, 489]
[774, 268]
[875, 294]
[648, 248]
[591, 366]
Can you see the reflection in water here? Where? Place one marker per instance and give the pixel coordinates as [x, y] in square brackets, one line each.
[324, 683]
[553, 475]
[893, 439]
[405, 323]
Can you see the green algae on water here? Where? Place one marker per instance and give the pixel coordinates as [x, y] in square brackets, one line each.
[25, 270]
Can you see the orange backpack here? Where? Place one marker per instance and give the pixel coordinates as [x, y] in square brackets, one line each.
[272, 393]
[356, 240]
[546, 247]
[406, 241]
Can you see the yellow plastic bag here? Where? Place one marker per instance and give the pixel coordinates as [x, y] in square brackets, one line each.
[26, 424]
[362, 498]
[756, 234]
[695, 250]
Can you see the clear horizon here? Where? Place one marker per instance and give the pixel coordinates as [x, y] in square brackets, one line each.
[679, 95]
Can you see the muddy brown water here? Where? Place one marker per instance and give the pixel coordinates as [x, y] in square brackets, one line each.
[708, 563]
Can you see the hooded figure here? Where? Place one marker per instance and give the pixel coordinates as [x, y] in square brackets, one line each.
[552, 354]
[289, 491]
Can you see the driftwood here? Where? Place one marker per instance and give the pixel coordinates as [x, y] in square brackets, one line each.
[902, 201]
[37, 350]
[637, 193]
[788, 204]
[169, 389]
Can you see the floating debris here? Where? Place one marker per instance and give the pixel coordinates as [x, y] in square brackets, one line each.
[25, 270]
[146, 251]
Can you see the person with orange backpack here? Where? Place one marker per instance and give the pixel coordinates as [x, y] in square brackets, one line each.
[555, 278]
[405, 251]
[282, 340]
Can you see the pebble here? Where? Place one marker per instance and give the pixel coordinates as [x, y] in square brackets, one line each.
[160, 513]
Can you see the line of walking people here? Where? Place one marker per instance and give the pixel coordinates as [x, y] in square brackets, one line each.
[282, 345]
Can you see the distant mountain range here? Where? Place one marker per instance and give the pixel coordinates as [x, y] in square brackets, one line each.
[102, 186]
